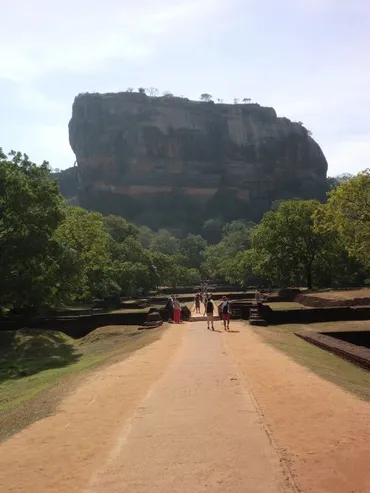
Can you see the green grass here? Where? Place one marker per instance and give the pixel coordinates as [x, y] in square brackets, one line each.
[138, 310]
[14, 392]
[32, 361]
[321, 362]
[131, 310]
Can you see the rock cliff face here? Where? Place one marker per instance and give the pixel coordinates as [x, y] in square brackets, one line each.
[172, 162]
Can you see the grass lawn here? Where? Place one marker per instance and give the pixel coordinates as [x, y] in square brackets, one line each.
[321, 362]
[131, 310]
[35, 365]
[137, 310]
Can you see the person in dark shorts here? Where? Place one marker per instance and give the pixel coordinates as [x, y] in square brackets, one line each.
[225, 312]
[197, 301]
[205, 301]
[209, 312]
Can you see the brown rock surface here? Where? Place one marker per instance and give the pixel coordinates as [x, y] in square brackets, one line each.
[130, 148]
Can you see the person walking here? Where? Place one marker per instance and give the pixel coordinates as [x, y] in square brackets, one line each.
[169, 307]
[197, 301]
[210, 308]
[225, 313]
[205, 301]
[177, 311]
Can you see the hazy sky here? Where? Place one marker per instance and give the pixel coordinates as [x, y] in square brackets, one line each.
[309, 59]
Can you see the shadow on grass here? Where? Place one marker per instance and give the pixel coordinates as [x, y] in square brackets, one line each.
[27, 352]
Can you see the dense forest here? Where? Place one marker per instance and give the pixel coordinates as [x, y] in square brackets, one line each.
[53, 252]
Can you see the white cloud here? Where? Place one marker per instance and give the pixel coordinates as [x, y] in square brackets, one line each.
[79, 35]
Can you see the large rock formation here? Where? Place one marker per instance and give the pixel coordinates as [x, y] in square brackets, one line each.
[173, 162]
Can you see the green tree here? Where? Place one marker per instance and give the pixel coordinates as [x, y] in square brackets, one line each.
[286, 246]
[164, 267]
[348, 213]
[145, 236]
[84, 233]
[212, 231]
[164, 242]
[31, 209]
[215, 265]
[192, 248]
[119, 228]
[334, 181]
[182, 276]
[133, 278]
[240, 270]
[236, 237]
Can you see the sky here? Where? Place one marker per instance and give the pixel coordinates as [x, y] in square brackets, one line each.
[309, 59]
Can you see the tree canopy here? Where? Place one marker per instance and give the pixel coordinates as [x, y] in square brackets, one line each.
[348, 212]
[31, 209]
[53, 252]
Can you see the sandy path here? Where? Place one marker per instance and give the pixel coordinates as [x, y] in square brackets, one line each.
[198, 430]
[174, 417]
[322, 431]
[197, 411]
[60, 454]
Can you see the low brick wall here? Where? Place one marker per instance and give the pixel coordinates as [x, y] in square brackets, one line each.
[75, 327]
[302, 316]
[318, 301]
[79, 326]
[356, 354]
[315, 315]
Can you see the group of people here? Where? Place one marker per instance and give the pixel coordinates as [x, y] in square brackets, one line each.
[174, 309]
[209, 308]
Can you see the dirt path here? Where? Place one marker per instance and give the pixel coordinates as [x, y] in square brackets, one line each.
[61, 453]
[174, 417]
[321, 431]
[196, 411]
[197, 430]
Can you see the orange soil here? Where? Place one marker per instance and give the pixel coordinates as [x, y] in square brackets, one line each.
[197, 411]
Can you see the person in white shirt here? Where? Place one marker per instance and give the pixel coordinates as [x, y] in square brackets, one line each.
[225, 313]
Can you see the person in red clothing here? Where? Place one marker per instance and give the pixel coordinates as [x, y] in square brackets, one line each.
[176, 311]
